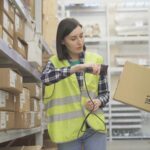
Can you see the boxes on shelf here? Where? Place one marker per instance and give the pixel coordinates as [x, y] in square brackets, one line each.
[34, 105]
[37, 119]
[23, 101]
[53, 10]
[21, 46]
[7, 7]
[30, 4]
[19, 24]
[34, 54]
[6, 37]
[133, 86]
[30, 29]
[10, 81]
[24, 120]
[7, 23]
[6, 120]
[35, 90]
[49, 35]
[7, 101]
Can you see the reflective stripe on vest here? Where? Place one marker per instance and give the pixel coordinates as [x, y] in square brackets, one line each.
[66, 107]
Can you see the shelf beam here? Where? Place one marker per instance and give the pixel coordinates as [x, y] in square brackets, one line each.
[16, 61]
[14, 134]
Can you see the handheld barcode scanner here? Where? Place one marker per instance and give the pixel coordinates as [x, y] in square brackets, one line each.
[103, 70]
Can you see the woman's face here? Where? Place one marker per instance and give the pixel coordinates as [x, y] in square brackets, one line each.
[74, 42]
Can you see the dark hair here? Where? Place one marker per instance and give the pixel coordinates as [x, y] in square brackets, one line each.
[65, 27]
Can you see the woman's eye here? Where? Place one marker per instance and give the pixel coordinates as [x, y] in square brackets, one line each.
[73, 39]
[81, 36]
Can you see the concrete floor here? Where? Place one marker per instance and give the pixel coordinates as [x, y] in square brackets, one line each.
[129, 145]
[124, 145]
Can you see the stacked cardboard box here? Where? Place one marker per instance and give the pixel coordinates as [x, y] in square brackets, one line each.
[24, 120]
[27, 109]
[35, 90]
[35, 103]
[20, 45]
[6, 120]
[30, 4]
[10, 81]
[19, 24]
[7, 21]
[10, 86]
[12, 27]
[23, 101]
[8, 8]
[50, 21]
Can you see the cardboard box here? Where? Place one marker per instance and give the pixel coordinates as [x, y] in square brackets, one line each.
[8, 8]
[49, 35]
[7, 101]
[19, 24]
[35, 90]
[34, 53]
[134, 86]
[38, 119]
[24, 120]
[7, 23]
[6, 37]
[20, 46]
[6, 120]
[30, 29]
[53, 10]
[23, 101]
[10, 81]
[34, 105]
[31, 7]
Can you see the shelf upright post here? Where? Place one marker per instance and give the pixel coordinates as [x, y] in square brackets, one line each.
[38, 16]
[39, 138]
[109, 73]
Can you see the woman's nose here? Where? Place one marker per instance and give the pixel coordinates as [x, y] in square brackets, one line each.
[80, 41]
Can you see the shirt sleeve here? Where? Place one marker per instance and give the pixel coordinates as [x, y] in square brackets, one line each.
[52, 75]
[103, 91]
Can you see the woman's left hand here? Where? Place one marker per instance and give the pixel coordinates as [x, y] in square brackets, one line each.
[93, 105]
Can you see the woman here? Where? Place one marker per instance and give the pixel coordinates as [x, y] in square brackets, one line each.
[74, 97]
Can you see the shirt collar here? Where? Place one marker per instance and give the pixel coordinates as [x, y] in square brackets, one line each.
[81, 57]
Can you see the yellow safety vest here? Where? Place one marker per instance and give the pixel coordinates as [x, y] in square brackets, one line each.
[66, 103]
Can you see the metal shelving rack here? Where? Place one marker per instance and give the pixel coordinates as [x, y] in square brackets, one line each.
[10, 58]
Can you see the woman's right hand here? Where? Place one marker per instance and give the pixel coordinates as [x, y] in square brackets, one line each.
[82, 67]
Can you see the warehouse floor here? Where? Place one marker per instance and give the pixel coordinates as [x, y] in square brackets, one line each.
[124, 145]
[129, 145]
